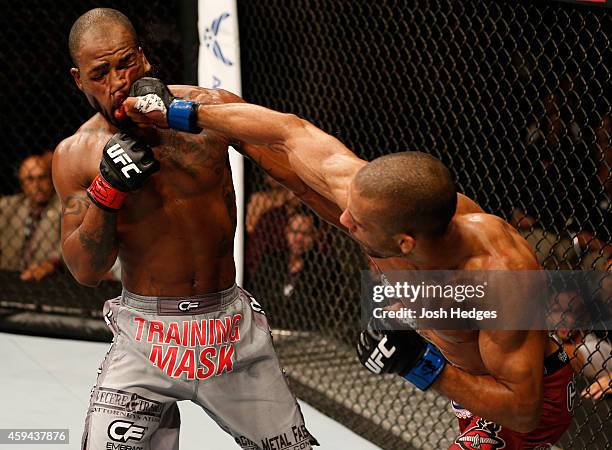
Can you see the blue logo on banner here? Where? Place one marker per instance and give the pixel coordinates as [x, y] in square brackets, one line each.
[210, 35]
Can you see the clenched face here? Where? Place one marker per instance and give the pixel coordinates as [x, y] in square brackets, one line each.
[109, 62]
[362, 219]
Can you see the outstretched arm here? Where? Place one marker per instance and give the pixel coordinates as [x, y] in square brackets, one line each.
[319, 160]
[296, 153]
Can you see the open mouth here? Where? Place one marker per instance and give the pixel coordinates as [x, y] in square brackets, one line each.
[118, 99]
[118, 103]
[117, 109]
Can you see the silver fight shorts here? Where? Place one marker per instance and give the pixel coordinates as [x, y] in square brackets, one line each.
[214, 350]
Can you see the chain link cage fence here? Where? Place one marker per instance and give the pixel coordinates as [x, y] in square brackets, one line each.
[510, 96]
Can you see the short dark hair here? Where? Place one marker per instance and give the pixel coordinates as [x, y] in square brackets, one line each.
[415, 190]
[94, 18]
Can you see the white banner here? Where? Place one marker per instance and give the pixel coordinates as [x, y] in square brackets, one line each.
[219, 67]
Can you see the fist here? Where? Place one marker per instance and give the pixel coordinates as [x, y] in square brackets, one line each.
[404, 353]
[125, 166]
[151, 104]
[388, 351]
[126, 163]
[147, 104]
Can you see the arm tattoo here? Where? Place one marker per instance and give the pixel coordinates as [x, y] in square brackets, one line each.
[192, 154]
[75, 205]
[101, 242]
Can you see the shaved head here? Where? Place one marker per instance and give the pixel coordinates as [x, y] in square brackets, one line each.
[413, 192]
[95, 20]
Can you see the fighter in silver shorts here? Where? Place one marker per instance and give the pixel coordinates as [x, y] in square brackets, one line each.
[162, 201]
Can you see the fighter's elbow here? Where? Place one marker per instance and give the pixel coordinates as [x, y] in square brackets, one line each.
[83, 274]
[292, 124]
[526, 426]
[527, 416]
[288, 132]
[86, 279]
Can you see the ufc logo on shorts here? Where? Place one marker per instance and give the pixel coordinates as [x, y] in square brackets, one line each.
[107, 318]
[188, 306]
[374, 362]
[255, 306]
[571, 395]
[119, 156]
[123, 431]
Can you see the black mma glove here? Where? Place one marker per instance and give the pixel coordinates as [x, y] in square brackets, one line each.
[181, 114]
[125, 166]
[403, 352]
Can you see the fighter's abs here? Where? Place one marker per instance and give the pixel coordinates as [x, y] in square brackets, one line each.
[176, 234]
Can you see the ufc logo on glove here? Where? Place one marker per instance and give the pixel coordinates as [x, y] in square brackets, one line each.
[375, 362]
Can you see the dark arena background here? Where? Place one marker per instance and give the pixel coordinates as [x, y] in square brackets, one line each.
[512, 96]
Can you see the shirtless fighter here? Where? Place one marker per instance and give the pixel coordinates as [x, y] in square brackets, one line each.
[163, 202]
[515, 387]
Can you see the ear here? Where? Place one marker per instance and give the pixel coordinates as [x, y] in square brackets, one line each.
[76, 75]
[405, 242]
[144, 61]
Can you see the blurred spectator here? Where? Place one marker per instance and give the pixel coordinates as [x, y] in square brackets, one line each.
[591, 356]
[305, 278]
[548, 134]
[286, 251]
[594, 357]
[590, 351]
[267, 214]
[30, 222]
[300, 238]
[539, 219]
[595, 245]
[560, 214]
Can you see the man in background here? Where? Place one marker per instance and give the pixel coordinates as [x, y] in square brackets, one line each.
[30, 222]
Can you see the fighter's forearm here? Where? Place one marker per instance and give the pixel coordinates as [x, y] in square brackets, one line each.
[269, 137]
[322, 162]
[91, 249]
[248, 123]
[486, 397]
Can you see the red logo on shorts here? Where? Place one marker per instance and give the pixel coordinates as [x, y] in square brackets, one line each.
[482, 436]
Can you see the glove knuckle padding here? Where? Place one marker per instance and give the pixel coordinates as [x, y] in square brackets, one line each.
[181, 114]
[403, 352]
[150, 85]
[126, 163]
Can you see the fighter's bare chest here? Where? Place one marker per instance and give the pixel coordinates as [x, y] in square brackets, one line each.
[196, 158]
[189, 164]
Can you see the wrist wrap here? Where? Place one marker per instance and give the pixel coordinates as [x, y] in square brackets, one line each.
[427, 369]
[103, 195]
[182, 115]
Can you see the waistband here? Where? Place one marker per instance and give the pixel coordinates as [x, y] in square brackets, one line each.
[555, 361]
[178, 306]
